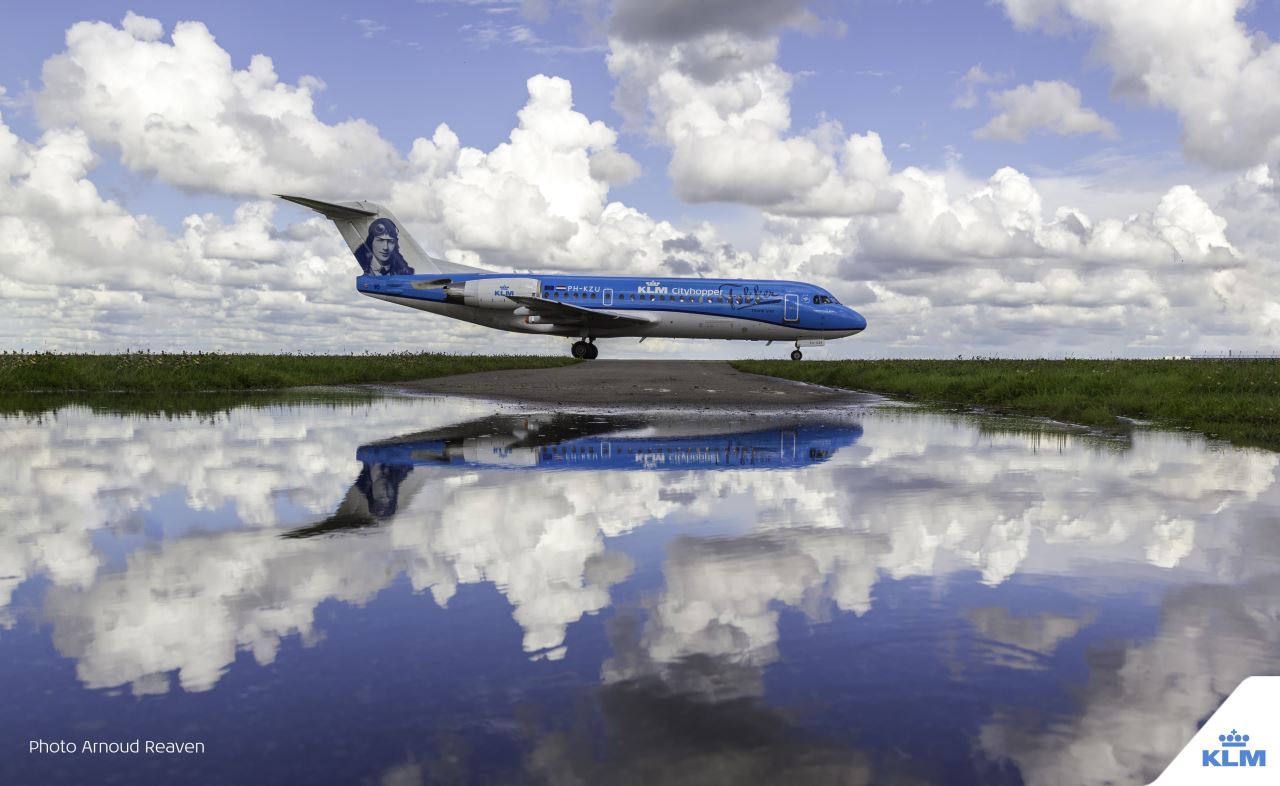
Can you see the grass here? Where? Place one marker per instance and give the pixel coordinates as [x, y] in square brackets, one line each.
[208, 405]
[1234, 400]
[161, 372]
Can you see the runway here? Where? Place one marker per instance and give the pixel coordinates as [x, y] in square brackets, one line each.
[665, 383]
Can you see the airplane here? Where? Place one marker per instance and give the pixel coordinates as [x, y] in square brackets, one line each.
[394, 268]
[577, 442]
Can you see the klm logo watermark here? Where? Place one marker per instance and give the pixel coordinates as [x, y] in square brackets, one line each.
[1233, 753]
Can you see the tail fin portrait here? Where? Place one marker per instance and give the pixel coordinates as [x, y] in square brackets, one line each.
[378, 240]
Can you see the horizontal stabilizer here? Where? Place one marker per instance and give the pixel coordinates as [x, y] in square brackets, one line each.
[329, 209]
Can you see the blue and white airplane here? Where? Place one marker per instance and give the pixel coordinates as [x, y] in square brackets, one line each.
[389, 470]
[394, 268]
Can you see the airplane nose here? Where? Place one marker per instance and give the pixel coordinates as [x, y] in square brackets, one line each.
[856, 321]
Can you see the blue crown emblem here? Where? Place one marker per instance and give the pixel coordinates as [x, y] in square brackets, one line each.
[1233, 740]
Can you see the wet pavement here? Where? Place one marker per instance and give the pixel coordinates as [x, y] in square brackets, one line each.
[690, 384]
[445, 590]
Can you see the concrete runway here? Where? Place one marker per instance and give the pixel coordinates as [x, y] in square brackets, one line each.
[663, 383]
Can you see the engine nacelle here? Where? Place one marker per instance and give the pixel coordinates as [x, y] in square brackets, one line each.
[493, 292]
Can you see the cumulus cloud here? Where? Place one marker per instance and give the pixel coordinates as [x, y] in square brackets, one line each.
[721, 103]
[1201, 62]
[180, 110]
[993, 265]
[539, 198]
[1004, 219]
[1042, 106]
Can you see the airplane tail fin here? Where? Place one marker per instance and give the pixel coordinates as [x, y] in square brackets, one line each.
[378, 240]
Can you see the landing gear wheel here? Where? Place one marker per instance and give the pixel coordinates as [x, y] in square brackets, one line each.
[580, 349]
[593, 352]
[796, 354]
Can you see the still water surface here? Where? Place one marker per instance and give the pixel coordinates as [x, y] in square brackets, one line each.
[409, 591]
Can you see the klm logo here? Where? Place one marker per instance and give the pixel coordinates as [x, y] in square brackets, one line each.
[1233, 753]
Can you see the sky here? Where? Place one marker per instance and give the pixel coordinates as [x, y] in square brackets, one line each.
[1007, 178]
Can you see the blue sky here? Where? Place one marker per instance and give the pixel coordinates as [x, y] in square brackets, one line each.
[1092, 141]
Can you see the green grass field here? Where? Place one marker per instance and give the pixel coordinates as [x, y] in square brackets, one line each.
[161, 372]
[1235, 400]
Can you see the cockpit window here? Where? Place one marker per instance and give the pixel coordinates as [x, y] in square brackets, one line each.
[824, 300]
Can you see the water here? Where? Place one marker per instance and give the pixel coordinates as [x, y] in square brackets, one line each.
[410, 591]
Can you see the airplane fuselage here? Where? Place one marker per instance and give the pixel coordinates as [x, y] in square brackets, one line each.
[741, 309]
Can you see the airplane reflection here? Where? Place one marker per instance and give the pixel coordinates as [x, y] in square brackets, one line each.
[576, 442]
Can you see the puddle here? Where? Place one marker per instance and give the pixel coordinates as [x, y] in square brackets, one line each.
[419, 589]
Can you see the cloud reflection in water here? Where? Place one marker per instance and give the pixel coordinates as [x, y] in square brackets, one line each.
[810, 514]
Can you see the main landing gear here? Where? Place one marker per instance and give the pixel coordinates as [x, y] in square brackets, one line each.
[585, 350]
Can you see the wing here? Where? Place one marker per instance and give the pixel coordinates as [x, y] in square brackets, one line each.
[561, 313]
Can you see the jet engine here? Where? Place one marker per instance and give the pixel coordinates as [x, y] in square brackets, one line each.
[494, 292]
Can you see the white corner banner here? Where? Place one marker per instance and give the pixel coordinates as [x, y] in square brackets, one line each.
[1239, 744]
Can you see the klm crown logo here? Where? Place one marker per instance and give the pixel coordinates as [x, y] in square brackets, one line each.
[1237, 744]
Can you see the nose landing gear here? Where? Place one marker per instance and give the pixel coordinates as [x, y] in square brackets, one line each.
[806, 342]
[585, 350]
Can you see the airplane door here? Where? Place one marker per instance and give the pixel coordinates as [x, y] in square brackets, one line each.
[790, 308]
[608, 298]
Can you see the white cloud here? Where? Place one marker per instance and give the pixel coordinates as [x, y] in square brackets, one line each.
[183, 112]
[721, 103]
[1202, 62]
[1042, 106]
